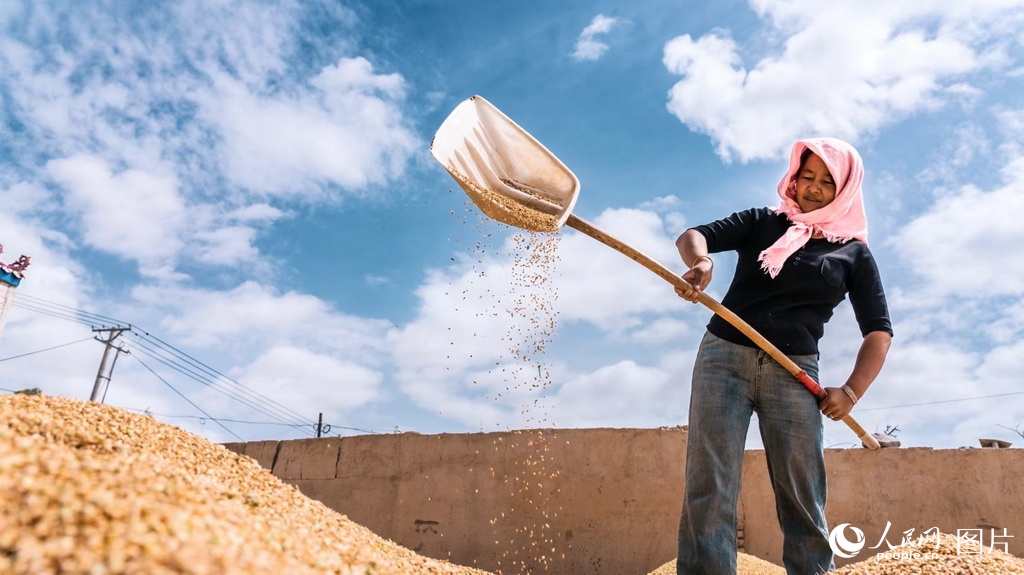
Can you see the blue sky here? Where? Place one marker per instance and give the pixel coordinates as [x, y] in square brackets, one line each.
[250, 183]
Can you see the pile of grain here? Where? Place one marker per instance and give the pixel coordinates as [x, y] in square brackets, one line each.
[938, 555]
[745, 565]
[88, 488]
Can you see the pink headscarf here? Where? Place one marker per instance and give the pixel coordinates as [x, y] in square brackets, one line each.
[840, 221]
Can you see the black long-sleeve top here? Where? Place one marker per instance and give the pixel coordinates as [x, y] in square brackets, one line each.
[791, 310]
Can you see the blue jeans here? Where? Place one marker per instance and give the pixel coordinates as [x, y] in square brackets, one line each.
[730, 382]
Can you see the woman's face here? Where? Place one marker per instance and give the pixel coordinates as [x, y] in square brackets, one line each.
[815, 187]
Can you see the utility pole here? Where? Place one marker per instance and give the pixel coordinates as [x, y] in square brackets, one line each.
[108, 345]
[321, 428]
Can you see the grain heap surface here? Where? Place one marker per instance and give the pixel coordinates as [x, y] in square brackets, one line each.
[745, 565]
[88, 488]
[939, 554]
[943, 554]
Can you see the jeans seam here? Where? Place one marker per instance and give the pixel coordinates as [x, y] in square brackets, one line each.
[758, 378]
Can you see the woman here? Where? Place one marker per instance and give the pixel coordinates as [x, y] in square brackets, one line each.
[795, 264]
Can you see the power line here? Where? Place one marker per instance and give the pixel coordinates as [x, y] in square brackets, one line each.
[944, 401]
[213, 372]
[274, 410]
[146, 411]
[208, 376]
[52, 313]
[87, 315]
[185, 398]
[171, 357]
[204, 419]
[253, 400]
[47, 349]
[212, 385]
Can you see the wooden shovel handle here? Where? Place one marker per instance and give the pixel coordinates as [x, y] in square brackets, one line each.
[585, 227]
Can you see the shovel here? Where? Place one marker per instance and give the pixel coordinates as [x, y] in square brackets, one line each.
[513, 178]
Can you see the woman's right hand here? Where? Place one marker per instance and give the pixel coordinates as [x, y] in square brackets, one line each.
[699, 276]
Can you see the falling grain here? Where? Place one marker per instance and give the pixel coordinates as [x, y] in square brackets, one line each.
[531, 545]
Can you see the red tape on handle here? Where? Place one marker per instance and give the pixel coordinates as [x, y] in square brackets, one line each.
[811, 385]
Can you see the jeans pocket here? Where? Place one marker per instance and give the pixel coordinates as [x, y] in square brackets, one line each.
[808, 363]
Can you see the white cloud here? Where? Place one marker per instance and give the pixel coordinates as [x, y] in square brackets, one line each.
[588, 48]
[969, 223]
[846, 70]
[602, 286]
[308, 382]
[1008, 324]
[255, 316]
[1011, 129]
[206, 119]
[227, 245]
[662, 204]
[28, 199]
[664, 331]
[221, 237]
[940, 393]
[967, 143]
[356, 76]
[624, 395]
[133, 213]
[256, 213]
[348, 130]
[142, 216]
[253, 47]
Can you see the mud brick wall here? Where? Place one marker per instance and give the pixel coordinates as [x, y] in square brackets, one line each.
[607, 501]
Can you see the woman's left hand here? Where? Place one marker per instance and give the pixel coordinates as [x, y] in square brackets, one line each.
[836, 405]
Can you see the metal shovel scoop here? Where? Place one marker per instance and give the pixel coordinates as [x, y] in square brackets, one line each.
[514, 179]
